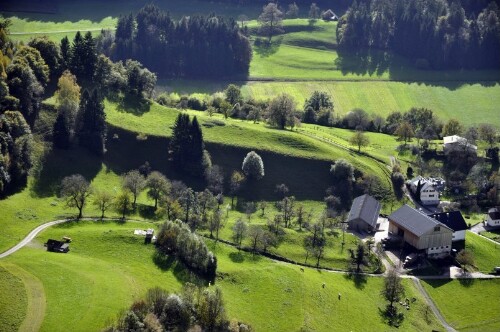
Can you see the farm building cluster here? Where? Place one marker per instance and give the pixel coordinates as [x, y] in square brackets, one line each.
[433, 235]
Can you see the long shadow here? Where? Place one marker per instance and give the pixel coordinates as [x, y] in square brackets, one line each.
[58, 164]
[180, 272]
[132, 104]
[266, 49]
[358, 279]
[376, 62]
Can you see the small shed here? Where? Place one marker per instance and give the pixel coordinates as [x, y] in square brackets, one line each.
[453, 220]
[493, 217]
[329, 15]
[57, 246]
[364, 213]
[149, 235]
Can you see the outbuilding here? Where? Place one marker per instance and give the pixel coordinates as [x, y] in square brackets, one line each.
[57, 246]
[364, 214]
[493, 217]
[421, 231]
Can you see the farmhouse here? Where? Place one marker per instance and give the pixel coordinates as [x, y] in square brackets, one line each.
[424, 190]
[57, 246]
[453, 220]
[421, 232]
[364, 213]
[455, 142]
[329, 15]
[493, 217]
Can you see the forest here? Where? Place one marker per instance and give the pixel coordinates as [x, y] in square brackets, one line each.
[192, 47]
[436, 34]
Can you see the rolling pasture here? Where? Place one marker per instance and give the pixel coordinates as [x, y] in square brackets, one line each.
[97, 281]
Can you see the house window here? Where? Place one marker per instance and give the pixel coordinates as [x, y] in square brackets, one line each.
[437, 229]
[431, 195]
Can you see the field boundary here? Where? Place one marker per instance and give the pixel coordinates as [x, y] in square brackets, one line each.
[35, 311]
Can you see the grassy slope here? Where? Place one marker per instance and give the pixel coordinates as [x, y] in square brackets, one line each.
[486, 253]
[157, 120]
[96, 281]
[467, 307]
[13, 301]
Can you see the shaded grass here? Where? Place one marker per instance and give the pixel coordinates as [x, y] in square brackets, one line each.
[486, 254]
[468, 308]
[13, 301]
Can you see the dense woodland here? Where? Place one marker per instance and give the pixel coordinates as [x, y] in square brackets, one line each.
[436, 34]
[192, 47]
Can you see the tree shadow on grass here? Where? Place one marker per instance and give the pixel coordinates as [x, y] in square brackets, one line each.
[146, 211]
[180, 272]
[58, 164]
[132, 104]
[466, 279]
[359, 280]
[265, 49]
[237, 257]
[391, 316]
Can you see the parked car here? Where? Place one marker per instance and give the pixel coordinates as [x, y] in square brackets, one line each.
[391, 243]
[496, 270]
[411, 259]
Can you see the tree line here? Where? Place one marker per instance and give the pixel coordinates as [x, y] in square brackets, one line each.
[195, 46]
[436, 34]
[194, 308]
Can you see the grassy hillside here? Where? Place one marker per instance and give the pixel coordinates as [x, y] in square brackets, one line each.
[486, 253]
[157, 120]
[96, 281]
[467, 305]
[13, 301]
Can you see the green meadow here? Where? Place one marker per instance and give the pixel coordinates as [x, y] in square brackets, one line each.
[467, 305]
[97, 280]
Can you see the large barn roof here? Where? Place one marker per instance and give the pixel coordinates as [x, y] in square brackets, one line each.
[366, 208]
[414, 221]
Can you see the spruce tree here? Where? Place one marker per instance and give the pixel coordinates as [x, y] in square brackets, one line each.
[76, 56]
[65, 53]
[92, 133]
[89, 56]
[61, 133]
[179, 144]
[196, 148]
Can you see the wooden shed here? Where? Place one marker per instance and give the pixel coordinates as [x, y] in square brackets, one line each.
[421, 231]
[364, 212]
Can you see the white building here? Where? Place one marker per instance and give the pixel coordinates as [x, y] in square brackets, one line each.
[424, 190]
[455, 142]
[493, 217]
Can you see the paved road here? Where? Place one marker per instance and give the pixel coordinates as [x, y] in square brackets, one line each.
[31, 236]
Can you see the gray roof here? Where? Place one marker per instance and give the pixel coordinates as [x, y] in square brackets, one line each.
[414, 220]
[365, 208]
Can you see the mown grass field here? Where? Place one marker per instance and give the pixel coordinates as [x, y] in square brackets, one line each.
[486, 253]
[96, 280]
[13, 301]
[467, 305]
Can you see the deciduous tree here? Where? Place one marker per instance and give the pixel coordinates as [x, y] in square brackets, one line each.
[76, 190]
[253, 166]
[271, 21]
[359, 139]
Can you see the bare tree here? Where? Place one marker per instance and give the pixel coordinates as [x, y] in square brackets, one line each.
[103, 200]
[135, 183]
[271, 20]
[239, 231]
[76, 190]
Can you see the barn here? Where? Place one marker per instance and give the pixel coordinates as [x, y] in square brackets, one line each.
[363, 215]
[421, 231]
[453, 220]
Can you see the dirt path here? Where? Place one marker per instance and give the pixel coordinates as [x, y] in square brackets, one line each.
[432, 305]
[35, 312]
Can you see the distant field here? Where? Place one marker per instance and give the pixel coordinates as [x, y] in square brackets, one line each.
[97, 281]
[467, 305]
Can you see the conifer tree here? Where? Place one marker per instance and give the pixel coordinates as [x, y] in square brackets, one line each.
[61, 133]
[92, 133]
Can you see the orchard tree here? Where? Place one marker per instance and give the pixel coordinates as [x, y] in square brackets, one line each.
[271, 21]
[359, 256]
[123, 203]
[253, 166]
[239, 231]
[158, 186]
[452, 127]
[281, 111]
[343, 178]
[135, 183]
[358, 119]
[256, 233]
[314, 12]
[68, 98]
[488, 134]
[75, 189]
[405, 131]
[233, 94]
[465, 258]
[393, 291]
[359, 139]
[293, 10]
[103, 200]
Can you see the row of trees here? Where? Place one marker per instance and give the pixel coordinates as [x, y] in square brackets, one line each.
[194, 46]
[194, 308]
[437, 34]
[175, 238]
